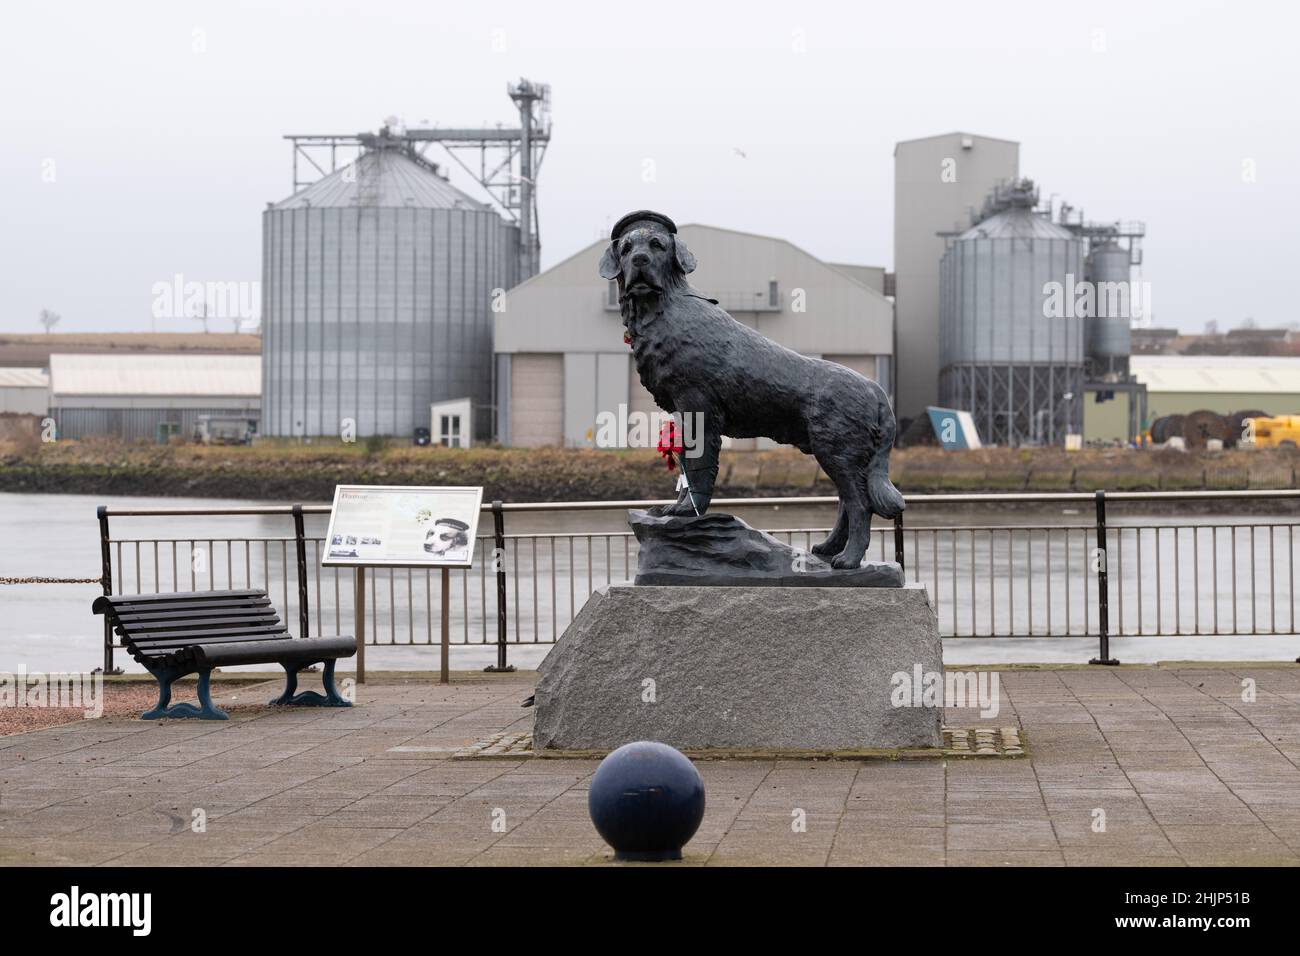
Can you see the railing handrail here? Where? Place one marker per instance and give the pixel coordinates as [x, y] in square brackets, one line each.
[1098, 585]
[1015, 497]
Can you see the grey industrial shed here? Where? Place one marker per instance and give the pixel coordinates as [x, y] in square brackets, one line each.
[562, 362]
[149, 395]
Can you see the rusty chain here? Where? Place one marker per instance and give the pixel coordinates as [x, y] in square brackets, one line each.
[37, 579]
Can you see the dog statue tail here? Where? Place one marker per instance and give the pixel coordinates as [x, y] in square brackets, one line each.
[884, 499]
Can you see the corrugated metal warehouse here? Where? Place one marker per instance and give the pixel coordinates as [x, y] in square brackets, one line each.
[24, 391]
[150, 396]
[562, 361]
[377, 291]
[1180, 384]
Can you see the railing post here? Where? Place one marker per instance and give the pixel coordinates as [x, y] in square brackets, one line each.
[898, 541]
[444, 675]
[499, 560]
[300, 544]
[1103, 586]
[106, 580]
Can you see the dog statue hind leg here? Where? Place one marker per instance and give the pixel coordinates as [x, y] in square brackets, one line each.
[834, 542]
[847, 543]
[870, 492]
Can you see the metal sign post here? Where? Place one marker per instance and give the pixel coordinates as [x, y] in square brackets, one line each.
[359, 621]
[445, 678]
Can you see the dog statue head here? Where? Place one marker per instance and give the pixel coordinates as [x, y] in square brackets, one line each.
[646, 255]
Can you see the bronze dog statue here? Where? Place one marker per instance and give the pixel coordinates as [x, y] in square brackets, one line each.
[695, 359]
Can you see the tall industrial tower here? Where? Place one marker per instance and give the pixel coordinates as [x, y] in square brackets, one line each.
[508, 160]
[534, 102]
[939, 181]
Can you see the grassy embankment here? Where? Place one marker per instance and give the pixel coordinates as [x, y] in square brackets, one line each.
[283, 471]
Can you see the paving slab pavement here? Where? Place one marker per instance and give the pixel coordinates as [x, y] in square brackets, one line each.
[1143, 765]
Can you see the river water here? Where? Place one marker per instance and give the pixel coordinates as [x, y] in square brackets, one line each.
[989, 575]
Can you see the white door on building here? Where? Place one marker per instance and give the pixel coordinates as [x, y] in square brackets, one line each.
[452, 423]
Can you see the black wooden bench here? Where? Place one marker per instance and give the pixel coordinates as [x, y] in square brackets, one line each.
[194, 631]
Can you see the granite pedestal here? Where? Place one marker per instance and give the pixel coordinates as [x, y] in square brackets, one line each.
[743, 668]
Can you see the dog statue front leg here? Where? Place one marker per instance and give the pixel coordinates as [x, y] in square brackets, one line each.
[699, 459]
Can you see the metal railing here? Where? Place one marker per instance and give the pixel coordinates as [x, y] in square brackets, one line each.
[1075, 577]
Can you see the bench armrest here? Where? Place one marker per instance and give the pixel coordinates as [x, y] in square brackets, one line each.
[287, 651]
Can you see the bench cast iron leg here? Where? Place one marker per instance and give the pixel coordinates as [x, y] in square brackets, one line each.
[206, 709]
[309, 698]
[164, 679]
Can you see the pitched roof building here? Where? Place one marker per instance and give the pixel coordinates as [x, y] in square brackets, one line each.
[561, 358]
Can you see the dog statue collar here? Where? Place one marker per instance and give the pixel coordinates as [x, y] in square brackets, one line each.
[628, 337]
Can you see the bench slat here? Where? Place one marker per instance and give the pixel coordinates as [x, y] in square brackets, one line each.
[203, 623]
[215, 637]
[164, 597]
[181, 638]
[122, 610]
[149, 617]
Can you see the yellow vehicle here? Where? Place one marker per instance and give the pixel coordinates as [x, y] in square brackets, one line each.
[1282, 431]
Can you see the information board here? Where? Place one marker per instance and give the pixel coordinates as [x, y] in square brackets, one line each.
[402, 526]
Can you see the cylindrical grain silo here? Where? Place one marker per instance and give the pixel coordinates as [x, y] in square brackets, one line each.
[1109, 335]
[1012, 342]
[377, 285]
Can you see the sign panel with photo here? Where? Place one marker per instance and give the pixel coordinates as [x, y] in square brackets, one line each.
[402, 526]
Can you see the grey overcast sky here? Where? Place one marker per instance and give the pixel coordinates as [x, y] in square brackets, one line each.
[143, 139]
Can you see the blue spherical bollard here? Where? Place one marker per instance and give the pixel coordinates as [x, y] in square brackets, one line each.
[646, 801]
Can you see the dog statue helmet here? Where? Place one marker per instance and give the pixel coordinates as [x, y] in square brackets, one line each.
[697, 361]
